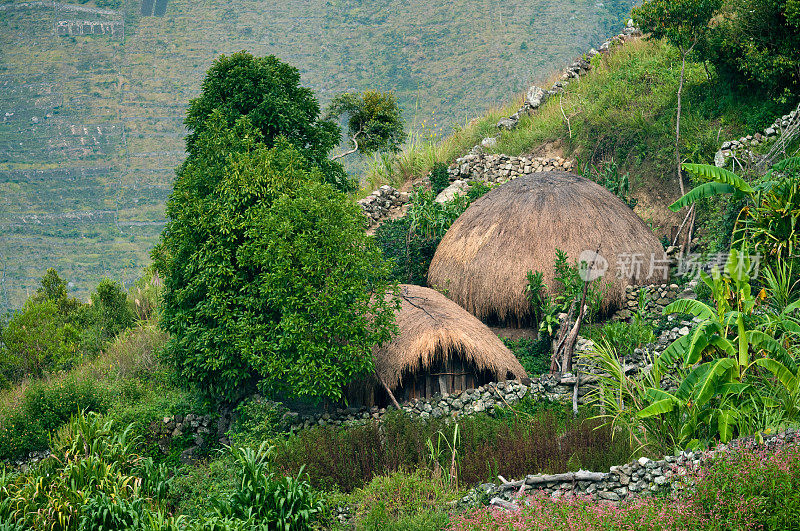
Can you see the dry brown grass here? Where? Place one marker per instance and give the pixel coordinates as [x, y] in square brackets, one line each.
[517, 227]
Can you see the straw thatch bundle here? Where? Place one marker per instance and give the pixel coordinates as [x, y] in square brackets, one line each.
[435, 333]
[483, 259]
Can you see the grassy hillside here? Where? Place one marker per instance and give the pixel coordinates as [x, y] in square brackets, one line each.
[622, 111]
[91, 125]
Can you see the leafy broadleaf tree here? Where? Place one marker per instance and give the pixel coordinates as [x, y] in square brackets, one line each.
[269, 278]
[267, 91]
[54, 288]
[35, 341]
[755, 42]
[374, 122]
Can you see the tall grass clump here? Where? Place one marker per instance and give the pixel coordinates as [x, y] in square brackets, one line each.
[524, 440]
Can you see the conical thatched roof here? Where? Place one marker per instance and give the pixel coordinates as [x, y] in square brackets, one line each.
[483, 258]
[432, 327]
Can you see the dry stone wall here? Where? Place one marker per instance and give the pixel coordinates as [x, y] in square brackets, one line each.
[671, 474]
[656, 297]
[740, 149]
[381, 202]
[496, 169]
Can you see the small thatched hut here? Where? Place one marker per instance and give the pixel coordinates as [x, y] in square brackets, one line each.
[441, 348]
[483, 258]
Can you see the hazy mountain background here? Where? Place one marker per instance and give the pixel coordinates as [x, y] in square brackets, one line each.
[92, 100]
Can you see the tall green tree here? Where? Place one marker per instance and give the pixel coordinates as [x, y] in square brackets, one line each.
[54, 288]
[755, 43]
[36, 340]
[270, 281]
[267, 91]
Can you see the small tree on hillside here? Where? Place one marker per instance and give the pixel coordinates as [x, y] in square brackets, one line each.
[35, 341]
[269, 278]
[374, 122]
[682, 23]
[54, 288]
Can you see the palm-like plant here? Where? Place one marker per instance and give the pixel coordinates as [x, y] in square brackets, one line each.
[770, 218]
[722, 351]
[731, 374]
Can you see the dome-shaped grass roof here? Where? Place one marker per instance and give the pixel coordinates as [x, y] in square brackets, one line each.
[435, 329]
[482, 261]
[440, 348]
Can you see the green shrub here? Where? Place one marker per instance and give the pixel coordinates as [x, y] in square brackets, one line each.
[533, 354]
[42, 408]
[149, 410]
[88, 483]
[402, 501]
[410, 257]
[608, 176]
[410, 242]
[102, 512]
[257, 420]
[440, 179]
[282, 503]
[195, 485]
[37, 340]
[623, 337]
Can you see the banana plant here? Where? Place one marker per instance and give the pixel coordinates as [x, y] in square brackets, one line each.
[771, 215]
[721, 181]
[722, 352]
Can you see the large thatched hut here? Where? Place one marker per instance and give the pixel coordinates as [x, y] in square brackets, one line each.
[441, 348]
[483, 258]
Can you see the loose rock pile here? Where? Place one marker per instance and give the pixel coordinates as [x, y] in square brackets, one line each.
[741, 148]
[378, 204]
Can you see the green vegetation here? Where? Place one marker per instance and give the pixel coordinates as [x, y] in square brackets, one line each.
[401, 501]
[736, 372]
[548, 303]
[267, 91]
[623, 110]
[622, 337]
[373, 119]
[266, 281]
[55, 332]
[95, 479]
[409, 242]
[525, 439]
[269, 278]
[533, 354]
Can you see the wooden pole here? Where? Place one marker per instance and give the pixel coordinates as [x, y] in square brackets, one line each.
[388, 391]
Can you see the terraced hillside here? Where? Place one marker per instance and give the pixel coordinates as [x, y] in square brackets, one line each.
[92, 99]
